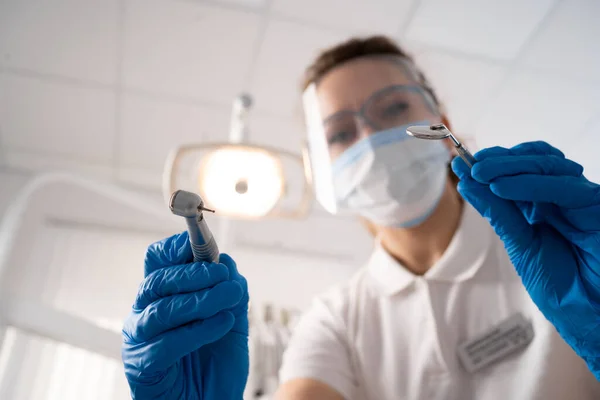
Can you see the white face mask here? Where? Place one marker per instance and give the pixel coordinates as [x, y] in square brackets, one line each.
[391, 178]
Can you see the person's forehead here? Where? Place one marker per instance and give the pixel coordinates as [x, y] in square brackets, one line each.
[350, 84]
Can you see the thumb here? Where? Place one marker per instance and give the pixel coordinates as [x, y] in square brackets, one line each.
[161, 352]
[504, 216]
[171, 251]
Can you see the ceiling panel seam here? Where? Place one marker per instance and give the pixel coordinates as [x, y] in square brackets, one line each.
[225, 5]
[416, 4]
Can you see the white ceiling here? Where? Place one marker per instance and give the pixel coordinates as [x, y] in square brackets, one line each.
[106, 87]
[490, 28]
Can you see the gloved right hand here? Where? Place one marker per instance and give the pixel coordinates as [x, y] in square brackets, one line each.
[548, 216]
[187, 334]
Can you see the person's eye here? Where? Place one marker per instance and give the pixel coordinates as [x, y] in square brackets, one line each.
[341, 138]
[395, 109]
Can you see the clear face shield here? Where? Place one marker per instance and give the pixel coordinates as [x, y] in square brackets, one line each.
[354, 151]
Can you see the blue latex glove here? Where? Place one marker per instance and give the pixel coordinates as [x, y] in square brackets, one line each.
[548, 216]
[187, 334]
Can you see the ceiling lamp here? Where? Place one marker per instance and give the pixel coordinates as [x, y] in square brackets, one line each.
[238, 179]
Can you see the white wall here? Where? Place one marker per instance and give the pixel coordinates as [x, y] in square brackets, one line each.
[10, 183]
[90, 265]
[97, 268]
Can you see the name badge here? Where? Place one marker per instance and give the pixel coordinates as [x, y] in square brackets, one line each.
[503, 339]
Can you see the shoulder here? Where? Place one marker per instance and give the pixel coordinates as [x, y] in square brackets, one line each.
[342, 298]
[336, 314]
[321, 344]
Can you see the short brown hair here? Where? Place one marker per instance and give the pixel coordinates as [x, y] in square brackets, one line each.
[356, 48]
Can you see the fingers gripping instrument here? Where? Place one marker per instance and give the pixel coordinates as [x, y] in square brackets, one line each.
[191, 206]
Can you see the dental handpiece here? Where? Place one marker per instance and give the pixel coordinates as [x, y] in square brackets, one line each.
[191, 206]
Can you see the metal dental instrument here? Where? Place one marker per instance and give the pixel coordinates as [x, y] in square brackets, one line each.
[190, 206]
[439, 132]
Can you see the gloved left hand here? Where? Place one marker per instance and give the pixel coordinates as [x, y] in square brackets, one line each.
[548, 216]
[187, 334]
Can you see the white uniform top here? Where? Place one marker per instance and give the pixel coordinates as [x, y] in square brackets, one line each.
[389, 334]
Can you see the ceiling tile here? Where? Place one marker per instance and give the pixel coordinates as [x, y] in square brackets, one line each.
[537, 107]
[286, 51]
[188, 49]
[463, 86]
[488, 28]
[71, 38]
[65, 120]
[568, 41]
[151, 128]
[382, 16]
[253, 4]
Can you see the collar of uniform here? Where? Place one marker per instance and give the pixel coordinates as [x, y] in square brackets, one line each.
[461, 260]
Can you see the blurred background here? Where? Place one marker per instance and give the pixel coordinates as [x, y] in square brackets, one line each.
[95, 93]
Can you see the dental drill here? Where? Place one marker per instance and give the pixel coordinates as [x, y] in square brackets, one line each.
[191, 206]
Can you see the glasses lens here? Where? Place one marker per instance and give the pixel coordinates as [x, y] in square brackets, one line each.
[341, 132]
[396, 106]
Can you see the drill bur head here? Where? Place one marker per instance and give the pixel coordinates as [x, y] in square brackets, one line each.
[186, 204]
